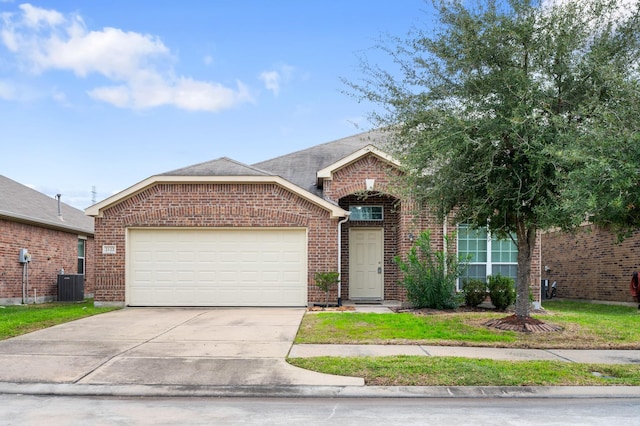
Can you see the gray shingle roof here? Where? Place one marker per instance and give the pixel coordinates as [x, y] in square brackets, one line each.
[301, 167]
[21, 203]
[221, 167]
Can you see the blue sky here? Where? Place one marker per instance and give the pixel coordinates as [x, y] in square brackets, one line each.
[108, 93]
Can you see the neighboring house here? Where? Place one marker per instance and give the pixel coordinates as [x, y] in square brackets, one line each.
[54, 234]
[222, 233]
[591, 264]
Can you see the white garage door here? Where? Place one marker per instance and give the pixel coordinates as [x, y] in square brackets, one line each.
[217, 267]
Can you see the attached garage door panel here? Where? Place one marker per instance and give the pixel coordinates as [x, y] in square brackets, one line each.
[217, 267]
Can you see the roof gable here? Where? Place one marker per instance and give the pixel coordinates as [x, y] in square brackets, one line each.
[97, 209]
[301, 167]
[327, 172]
[23, 204]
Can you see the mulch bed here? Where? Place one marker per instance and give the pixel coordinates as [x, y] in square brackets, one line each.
[331, 308]
[509, 323]
[522, 324]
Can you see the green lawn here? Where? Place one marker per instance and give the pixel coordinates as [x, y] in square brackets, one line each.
[584, 326]
[452, 371]
[20, 319]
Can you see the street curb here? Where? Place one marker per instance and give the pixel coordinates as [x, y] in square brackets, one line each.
[273, 391]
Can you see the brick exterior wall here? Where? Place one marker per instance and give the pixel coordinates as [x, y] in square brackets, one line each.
[269, 205]
[211, 205]
[591, 264]
[51, 250]
[401, 216]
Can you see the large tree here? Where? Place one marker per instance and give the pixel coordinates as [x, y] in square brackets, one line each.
[506, 115]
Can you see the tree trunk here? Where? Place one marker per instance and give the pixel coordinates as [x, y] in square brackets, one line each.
[526, 243]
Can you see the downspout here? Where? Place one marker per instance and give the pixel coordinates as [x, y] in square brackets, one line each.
[340, 259]
[444, 242]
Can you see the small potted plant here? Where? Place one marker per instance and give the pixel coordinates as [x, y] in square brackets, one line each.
[326, 280]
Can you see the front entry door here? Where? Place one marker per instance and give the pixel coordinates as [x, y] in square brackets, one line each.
[366, 255]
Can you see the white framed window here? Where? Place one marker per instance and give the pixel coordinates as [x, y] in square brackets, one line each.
[372, 213]
[489, 255]
[82, 247]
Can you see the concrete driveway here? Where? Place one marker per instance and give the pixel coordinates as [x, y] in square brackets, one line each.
[165, 346]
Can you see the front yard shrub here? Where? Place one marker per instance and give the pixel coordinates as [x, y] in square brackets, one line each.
[501, 291]
[475, 292]
[326, 280]
[430, 275]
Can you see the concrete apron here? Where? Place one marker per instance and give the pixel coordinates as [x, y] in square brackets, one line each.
[165, 346]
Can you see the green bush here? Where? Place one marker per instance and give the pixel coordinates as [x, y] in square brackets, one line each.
[429, 276]
[501, 291]
[475, 292]
[326, 280]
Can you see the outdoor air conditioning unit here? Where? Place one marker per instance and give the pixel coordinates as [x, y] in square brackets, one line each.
[70, 288]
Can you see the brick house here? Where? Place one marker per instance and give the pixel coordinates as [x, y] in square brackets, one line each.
[591, 264]
[223, 233]
[56, 235]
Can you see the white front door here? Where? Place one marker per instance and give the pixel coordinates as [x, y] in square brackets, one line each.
[366, 255]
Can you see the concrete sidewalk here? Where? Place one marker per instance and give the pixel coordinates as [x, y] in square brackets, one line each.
[506, 354]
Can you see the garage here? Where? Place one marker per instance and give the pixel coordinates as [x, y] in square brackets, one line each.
[216, 267]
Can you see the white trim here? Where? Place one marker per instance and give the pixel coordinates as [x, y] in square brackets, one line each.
[327, 172]
[97, 209]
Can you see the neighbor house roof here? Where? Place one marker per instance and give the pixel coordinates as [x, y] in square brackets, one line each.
[22, 204]
[301, 167]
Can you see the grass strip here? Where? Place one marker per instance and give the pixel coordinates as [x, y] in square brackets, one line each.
[454, 371]
[20, 319]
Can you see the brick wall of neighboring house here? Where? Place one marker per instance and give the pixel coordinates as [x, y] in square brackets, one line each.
[211, 205]
[591, 264]
[51, 250]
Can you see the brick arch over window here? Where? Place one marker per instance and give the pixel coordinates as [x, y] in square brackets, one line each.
[351, 179]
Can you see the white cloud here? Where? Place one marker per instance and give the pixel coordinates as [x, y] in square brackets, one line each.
[274, 79]
[185, 93]
[622, 11]
[35, 17]
[138, 64]
[271, 80]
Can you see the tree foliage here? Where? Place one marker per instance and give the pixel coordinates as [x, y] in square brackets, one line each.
[518, 115]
